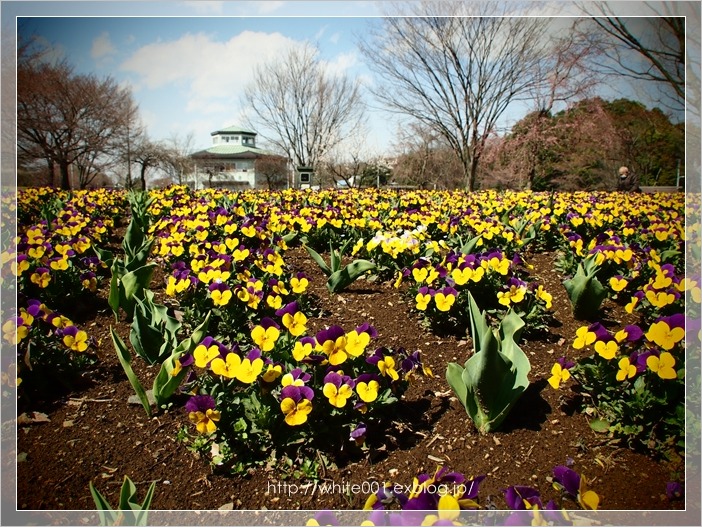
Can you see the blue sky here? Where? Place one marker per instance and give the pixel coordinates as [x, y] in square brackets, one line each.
[187, 63]
[187, 74]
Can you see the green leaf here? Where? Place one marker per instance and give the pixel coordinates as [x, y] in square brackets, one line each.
[153, 331]
[341, 279]
[127, 494]
[165, 383]
[585, 291]
[104, 255]
[599, 425]
[669, 254]
[532, 233]
[454, 376]
[114, 296]
[317, 258]
[491, 382]
[478, 324]
[146, 338]
[105, 512]
[140, 257]
[290, 237]
[134, 239]
[510, 331]
[491, 385]
[344, 247]
[125, 360]
[188, 345]
[468, 247]
[161, 317]
[504, 219]
[146, 504]
[334, 259]
[135, 513]
[133, 285]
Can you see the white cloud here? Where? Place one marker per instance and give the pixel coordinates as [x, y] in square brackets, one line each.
[320, 33]
[334, 39]
[102, 47]
[211, 75]
[206, 7]
[342, 63]
[266, 8]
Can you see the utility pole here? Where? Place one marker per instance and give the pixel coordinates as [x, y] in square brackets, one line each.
[129, 162]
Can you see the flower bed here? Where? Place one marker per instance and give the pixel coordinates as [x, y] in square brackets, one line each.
[290, 382]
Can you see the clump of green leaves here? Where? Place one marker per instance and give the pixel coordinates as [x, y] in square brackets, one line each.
[169, 376]
[131, 275]
[340, 277]
[496, 375]
[585, 291]
[154, 332]
[129, 511]
[632, 410]
[139, 202]
[51, 209]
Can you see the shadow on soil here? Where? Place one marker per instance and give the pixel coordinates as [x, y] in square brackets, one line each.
[530, 411]
[414, 421]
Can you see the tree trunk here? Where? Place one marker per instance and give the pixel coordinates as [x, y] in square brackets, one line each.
[473, 171]
[142, 177]
[65, 177]
[470, 169]
[530, 178]
[51, 168]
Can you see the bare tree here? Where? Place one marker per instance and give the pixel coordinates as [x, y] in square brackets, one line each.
[345, 164]
[88, 167]
[425, 160]
[274, 169]
[134, 133]
[643, 48]
[343, 170]
[455, 74]
[177, 161]
[148, 155]
[565, 77]
[301, 107]
[67, 118]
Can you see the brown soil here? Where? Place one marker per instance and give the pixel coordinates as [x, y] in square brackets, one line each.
[93, 434]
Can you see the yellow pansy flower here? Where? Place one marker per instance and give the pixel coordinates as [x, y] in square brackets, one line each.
[664, 365]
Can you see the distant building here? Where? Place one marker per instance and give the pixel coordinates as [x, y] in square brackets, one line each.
[231, 162]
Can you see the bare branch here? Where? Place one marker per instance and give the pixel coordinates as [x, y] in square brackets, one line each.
[650, 48]
[300, 107]
[456, 75]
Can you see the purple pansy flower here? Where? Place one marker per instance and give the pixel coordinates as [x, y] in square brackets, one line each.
[297, 393]
[674, 490]
[358, 434]
[332, 333]
[568, 478]
[290, 309]
[516, 495]
[200, 403]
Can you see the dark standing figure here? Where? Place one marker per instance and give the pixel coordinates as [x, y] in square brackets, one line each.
[628, 181]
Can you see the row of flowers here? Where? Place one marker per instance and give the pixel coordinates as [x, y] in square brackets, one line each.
[635, 372]
[258, 381]
[444, 498]
[49, 346]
